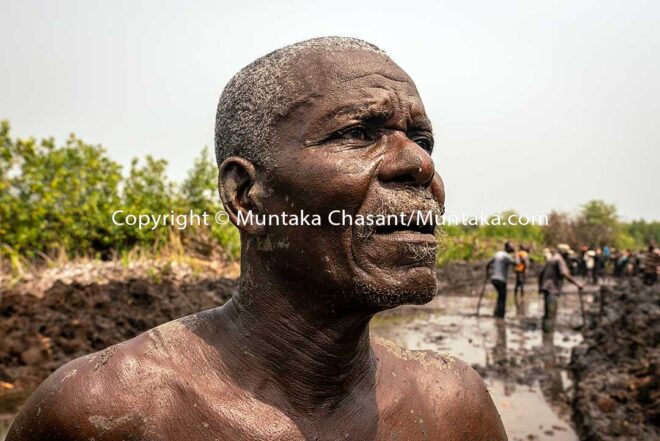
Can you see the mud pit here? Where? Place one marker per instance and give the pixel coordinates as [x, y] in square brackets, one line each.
[618, 365]
[527, 375]
[521, 370]
[39, 334]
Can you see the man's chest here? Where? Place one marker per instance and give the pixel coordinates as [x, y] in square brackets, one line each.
[202, 410]
[258, 426]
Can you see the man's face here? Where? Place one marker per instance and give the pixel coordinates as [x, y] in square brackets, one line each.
[358, 140]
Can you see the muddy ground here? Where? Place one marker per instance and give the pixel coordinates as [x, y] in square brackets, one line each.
[43, 325]
[527, 375]
[618, 365]
[467, 278]
[39, 334]
[52, 319]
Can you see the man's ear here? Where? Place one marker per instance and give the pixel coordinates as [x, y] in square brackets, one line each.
[239, 192]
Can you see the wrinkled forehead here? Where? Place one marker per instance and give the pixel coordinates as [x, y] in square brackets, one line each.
[329, 70]
[330, 83]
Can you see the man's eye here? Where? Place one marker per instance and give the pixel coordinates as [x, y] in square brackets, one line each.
[357, 133]
[424, 142]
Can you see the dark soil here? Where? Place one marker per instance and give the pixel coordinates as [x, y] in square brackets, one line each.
[42, 329]
[616, 367]
[39, 334]
[467, 278]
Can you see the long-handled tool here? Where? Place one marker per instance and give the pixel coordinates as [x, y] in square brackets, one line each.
[481, 294]
[584, 318]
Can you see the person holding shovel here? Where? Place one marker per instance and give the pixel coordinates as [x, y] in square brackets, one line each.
[551, 279]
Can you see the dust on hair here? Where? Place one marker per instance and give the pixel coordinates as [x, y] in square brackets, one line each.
[259, 94]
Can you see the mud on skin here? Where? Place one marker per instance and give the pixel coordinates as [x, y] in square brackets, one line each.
[290, 356]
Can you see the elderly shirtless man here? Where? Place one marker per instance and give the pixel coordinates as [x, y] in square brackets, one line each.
[326, 124]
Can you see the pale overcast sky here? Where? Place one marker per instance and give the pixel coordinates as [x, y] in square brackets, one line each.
[536, 104]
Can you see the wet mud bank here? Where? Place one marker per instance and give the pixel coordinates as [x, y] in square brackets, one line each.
[41, 333]
[545, 387]
[525, 371]
[467, 278]
[617, 366]
[44, 325]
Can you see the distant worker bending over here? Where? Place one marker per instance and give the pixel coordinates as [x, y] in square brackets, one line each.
[551, 279]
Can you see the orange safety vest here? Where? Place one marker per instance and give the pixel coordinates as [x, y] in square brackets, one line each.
[522, 258]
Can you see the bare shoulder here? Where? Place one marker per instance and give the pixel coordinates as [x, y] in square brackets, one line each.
[452, 393]
[109, 394]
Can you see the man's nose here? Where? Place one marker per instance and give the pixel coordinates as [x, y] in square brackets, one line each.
[406, 162]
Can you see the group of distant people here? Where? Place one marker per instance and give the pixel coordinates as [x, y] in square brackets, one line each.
[498, 268]
[608, 261]
[562, 263]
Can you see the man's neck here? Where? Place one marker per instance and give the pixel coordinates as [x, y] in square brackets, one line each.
[290, 342]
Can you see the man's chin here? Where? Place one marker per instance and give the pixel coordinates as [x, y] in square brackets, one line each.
[403, 286]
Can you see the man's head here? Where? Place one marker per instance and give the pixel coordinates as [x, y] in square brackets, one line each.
[329, 125]
[263, 93]
[549, 252]
[508, 247]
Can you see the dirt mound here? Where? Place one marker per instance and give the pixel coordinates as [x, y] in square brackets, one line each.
[41, 332]
[616, 367]
[467, 278]
[460, 278]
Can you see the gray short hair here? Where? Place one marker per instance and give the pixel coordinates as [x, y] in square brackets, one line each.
[257, 96]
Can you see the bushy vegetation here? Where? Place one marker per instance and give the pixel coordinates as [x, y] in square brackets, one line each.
[59, 200]
[595, 225]
[598, 224]
[641, 232]
[478, 242]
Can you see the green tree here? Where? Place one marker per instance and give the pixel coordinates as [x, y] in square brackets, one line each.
[200, 192]
[598, 224]
[56, 198]
[200, 188]
[642, 232]
[147, 191]
[7, 162]
[560, 229]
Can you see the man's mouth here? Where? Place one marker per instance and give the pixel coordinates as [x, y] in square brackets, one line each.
[411, 217]
[409, 227]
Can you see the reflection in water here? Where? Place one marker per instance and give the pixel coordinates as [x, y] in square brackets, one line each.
[551, 382]
[518, 364]
[521, 305]
[499, 351]
[525, 372]
[522, 370]
[505, 364]
[496, 357]
[501, 362]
